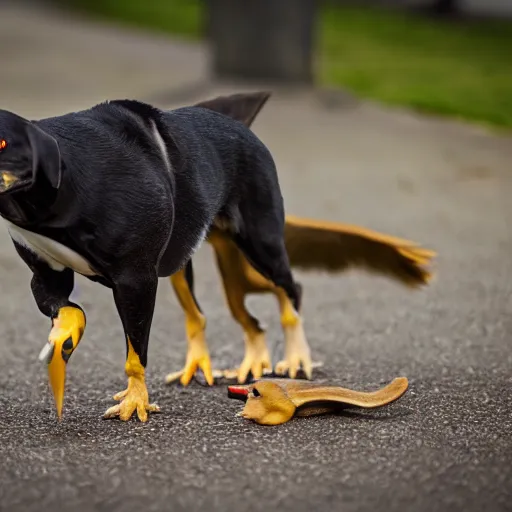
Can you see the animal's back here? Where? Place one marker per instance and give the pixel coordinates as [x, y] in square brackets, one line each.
[228, 151]
[234, 143]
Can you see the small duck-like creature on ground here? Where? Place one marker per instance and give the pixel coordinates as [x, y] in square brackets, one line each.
[276, 401]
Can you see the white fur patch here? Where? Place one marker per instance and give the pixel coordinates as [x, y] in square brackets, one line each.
[57, 256]
[161, 145]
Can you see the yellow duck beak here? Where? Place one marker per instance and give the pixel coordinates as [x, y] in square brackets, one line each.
[57, 377]
[64, 337]
[56, 355]
[8, 179]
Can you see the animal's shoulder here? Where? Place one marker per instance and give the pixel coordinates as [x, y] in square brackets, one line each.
[117, 126]
[201, 115]
[143, 110]
[106, 116]
[208, 124]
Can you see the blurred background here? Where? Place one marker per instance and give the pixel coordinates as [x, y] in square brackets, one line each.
[392, 115]
[447, 57]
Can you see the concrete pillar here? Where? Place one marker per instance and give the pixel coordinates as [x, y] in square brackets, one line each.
[262, 39]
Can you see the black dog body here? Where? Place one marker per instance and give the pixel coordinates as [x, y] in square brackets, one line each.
[130, 192]
[123, 193]
[224, 177]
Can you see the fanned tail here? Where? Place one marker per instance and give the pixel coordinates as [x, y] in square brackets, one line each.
[335, 247]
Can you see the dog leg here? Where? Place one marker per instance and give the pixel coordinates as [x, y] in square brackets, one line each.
[297, 352]
[237, 283]
[51, 290]
[135, 296]
[266, 252]
[195, 324]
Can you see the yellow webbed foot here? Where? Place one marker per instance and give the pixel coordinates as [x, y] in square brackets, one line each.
[197, 358]
[282, 369]
[297, 352]
[134, 398]
[256, 359]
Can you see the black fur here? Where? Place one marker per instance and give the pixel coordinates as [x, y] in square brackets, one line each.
[100, 184]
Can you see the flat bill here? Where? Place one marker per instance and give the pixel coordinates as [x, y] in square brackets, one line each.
[238, 392]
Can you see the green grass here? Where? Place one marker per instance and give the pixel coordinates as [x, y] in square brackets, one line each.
[460, 69]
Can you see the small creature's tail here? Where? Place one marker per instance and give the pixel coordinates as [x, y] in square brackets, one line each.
[335, 247]
[243, 107]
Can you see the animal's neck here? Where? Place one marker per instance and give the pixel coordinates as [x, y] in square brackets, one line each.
[31, 206]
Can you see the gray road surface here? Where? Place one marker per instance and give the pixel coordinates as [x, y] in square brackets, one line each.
[446, 446]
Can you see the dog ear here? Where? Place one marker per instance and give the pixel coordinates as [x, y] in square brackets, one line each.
[45, 155]
[243, 107]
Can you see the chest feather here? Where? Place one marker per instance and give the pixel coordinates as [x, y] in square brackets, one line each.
[56, 255]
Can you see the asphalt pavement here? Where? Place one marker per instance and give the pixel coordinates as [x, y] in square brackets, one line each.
[445, 446]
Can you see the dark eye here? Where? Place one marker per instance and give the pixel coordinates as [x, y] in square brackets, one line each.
[255, 392]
